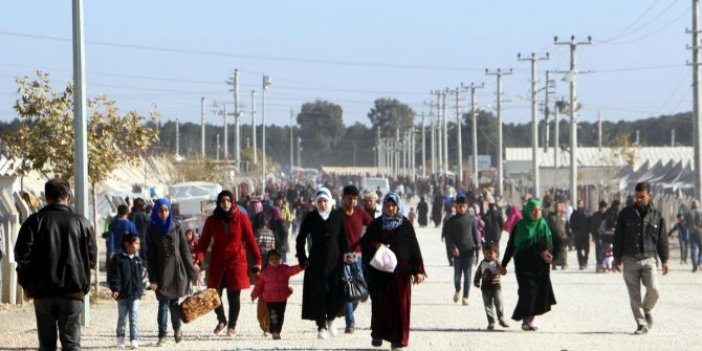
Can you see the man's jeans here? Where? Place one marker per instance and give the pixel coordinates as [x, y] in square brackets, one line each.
[128, 307]
[350, 307]
[164, 306]
[64, 312]
[637, 272]
[695, 251]
[463, 266]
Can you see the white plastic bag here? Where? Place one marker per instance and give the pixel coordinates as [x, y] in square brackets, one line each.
[384, 259]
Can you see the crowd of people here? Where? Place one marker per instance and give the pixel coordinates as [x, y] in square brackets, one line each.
[245, 242]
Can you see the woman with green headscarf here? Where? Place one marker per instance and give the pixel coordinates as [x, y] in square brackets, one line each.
[531, 245]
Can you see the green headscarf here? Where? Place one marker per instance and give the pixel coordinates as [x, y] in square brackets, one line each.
[528, 231]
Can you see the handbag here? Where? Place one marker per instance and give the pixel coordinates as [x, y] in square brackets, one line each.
[355, 287]
[384, 259]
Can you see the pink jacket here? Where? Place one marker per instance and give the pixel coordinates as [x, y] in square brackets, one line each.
[272, 285]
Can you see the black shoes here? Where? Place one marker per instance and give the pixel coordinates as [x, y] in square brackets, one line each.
[649, 319]
[641, 330]
[178, 336]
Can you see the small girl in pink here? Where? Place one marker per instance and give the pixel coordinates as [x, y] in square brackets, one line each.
[272, 287]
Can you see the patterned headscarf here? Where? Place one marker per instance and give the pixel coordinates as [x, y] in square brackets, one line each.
[528, 231]
[156, 221]
[392, 222]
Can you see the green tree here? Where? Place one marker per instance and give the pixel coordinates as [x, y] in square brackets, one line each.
[44, 138]
[321, 126]
[389, 114]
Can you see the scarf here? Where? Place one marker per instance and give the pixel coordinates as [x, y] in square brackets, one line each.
[323, 193]
[392, 222]
[219, 212]
[156, 221]
[528, 231]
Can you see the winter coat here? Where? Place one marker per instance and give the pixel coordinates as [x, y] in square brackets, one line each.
[126, 276]
[170, 265]
[229, 251]
[55, 251]
[272, 285]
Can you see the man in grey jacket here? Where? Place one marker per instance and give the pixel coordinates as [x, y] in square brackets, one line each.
[640, 238]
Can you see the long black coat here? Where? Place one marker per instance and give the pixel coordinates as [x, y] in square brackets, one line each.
[422, 213]
[170, 264]
[322, 294]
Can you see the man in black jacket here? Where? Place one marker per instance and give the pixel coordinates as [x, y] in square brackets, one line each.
[580, 227]
[55, 251]
[462, 239]
[639, 236]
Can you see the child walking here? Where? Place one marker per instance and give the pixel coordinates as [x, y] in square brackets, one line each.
[487, 278]
[272, 287]
[126, 281]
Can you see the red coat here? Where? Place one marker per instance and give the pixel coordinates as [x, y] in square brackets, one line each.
[228, 252]
[272, 286]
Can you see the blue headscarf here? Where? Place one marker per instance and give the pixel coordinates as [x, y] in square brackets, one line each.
[156, 221]
[392, 223]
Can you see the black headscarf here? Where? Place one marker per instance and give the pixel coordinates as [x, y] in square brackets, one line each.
[221, 213]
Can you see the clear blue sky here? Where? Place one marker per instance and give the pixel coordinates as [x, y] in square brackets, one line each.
[352, 52]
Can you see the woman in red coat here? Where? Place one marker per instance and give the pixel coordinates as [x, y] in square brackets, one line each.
[231, 235]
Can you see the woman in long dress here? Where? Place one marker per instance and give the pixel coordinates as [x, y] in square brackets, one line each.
[391, 293]
[322, 293]
[531, 245]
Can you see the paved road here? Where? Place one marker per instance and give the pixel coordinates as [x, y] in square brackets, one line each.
[592, 314]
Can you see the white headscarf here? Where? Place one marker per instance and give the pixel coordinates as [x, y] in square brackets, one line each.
[324, 193]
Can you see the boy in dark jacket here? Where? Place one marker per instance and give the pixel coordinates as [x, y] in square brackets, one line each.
[126, 280]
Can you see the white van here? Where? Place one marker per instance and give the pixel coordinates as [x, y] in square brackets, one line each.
[372, 184]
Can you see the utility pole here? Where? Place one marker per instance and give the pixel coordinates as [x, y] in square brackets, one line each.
[253, 127]
[292, 161]
[397, 152]
[223, 112]
[266, 83]
[299, 152]
[534, 123]
[696, 115]
[672, 137]
[573, 114]
[234, 81]
[424, 149]
[80, 144]
[378, 150]
[459, 140]
[202, 126]
[547, 110]
[556, 132]
[217, 146]
[445, 132]
[500, 167]
[177, 137]
[439, 133]
[474, 129]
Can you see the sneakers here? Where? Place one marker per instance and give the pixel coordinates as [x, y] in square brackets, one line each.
[161, 342]
[503, 324]
[231, 332]
[491, 326]
[349, 330]
[135, 344]
[218, 329]
[649, 319]
[276, 336]
[120, 342]
[641, 330]
[178, 336]
[322, 334]
[465, 301]
[332, 329]
[456, 296]
[376, 342]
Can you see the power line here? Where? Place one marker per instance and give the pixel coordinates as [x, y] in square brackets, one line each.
[254, 57]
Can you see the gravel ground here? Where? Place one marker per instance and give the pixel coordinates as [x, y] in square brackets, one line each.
[592, 314]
